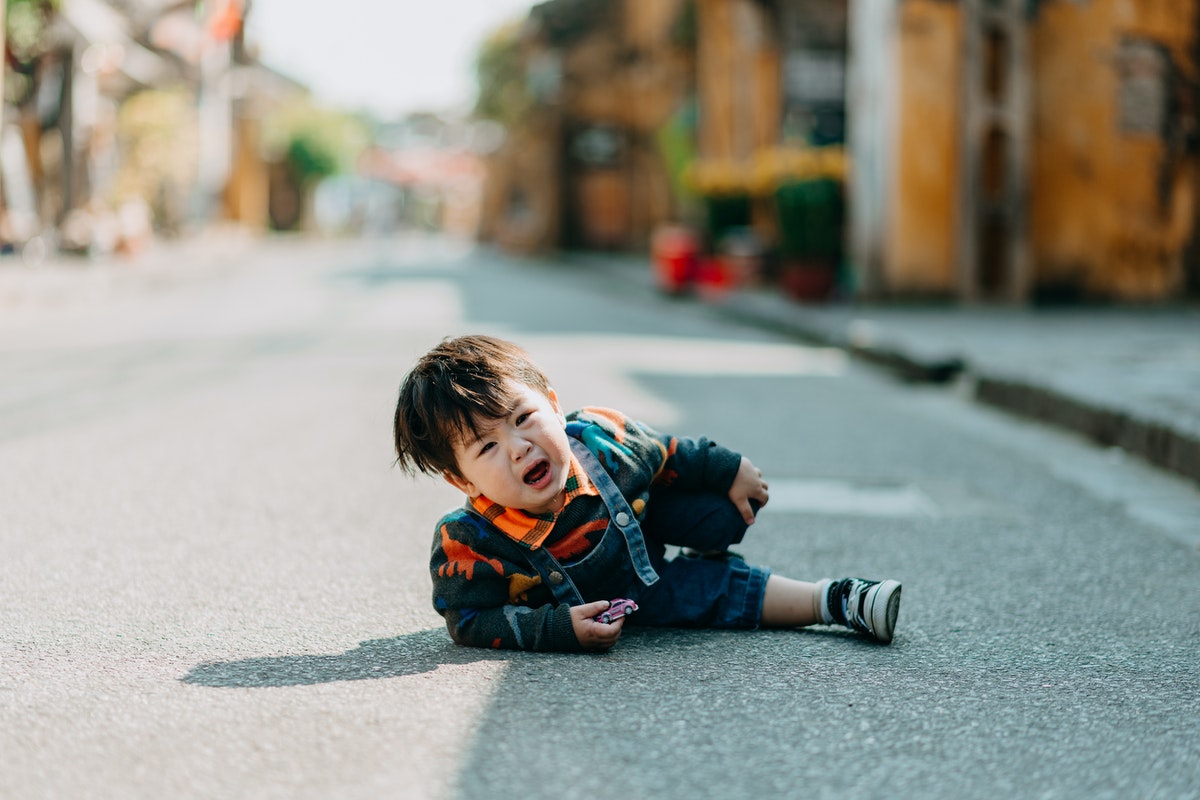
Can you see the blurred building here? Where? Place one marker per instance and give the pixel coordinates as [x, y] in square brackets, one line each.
[68, 71]
[1013, 150]
[981, 150]
[584, 168]
[999, 150]
[126, 118]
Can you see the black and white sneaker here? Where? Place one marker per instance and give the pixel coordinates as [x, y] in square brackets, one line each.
[868, 607]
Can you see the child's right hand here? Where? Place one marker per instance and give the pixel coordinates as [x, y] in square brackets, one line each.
[593, 635]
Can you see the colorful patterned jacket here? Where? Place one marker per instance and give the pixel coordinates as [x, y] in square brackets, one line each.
[484, 585]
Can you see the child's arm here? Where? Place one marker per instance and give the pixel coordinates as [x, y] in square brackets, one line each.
[701, 464]
[471, 590]
[521, 628]
[691, 465]
[674, 462]
[511, 627]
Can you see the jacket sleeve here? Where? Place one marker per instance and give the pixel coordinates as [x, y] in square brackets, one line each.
[675, 462]
[698, 464]
[471, 591]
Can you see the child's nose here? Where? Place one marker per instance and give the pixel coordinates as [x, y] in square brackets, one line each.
[520, 446]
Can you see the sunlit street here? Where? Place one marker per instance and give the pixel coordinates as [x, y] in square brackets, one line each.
[925, 274]
[215, 582]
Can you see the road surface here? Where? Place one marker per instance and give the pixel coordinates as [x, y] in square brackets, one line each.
[214, 582]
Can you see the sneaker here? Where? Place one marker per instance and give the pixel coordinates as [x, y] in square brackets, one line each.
[868, 607]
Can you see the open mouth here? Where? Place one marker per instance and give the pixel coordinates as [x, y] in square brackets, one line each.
[537, 473]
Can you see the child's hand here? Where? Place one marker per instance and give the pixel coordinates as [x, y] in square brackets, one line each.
[591, 634]
[748, 485]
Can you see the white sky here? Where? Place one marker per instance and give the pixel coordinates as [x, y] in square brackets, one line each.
[389, 56]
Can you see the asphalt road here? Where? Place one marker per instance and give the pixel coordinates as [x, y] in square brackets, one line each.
[213, 583]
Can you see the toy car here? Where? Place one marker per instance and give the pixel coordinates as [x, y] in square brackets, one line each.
[616, 609]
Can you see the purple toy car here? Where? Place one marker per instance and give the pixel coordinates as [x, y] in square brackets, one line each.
[616, 609]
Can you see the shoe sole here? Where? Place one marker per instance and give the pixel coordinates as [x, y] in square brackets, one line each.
[883, 608]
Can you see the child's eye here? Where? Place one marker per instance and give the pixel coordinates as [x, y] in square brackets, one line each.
[522, 417]
[486, 447]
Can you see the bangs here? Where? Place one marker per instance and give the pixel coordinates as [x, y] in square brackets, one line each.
[471, 403]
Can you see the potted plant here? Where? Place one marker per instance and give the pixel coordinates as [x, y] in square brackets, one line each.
[725, 187]
[810, 207]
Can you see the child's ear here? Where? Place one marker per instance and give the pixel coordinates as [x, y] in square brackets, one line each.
[462, 484]
[553, 395]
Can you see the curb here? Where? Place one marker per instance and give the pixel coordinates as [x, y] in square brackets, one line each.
[769, 315]
[1156, 442]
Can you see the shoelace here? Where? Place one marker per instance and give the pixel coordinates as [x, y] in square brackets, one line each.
[851, 595]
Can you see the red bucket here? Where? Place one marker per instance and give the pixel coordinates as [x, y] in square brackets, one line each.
[674, 252]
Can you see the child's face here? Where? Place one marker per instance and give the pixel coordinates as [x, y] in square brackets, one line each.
[522, 460]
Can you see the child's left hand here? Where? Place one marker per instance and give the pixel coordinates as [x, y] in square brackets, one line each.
[748, 485]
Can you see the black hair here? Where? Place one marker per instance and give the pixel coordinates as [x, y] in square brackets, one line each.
[450, 390]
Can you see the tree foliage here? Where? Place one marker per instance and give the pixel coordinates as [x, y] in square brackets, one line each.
[25, 23]
[500, 74]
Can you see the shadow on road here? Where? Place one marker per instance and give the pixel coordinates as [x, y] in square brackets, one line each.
[412, 653]
[409, 654]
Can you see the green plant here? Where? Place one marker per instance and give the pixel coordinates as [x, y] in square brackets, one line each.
[315, 142]
[676, 141]
[811, 219]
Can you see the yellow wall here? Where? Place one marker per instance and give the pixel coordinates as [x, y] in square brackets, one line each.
[923, 211]
[738, 81]
[1110, 211]
[528, 167]
[246, 195]
[648, 26]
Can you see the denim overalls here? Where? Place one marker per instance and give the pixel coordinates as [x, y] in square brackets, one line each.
[720, 592]
[622, 547]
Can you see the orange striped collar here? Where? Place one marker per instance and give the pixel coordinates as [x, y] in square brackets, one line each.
[529, 529]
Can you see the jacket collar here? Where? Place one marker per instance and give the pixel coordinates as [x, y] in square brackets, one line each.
[531, 530]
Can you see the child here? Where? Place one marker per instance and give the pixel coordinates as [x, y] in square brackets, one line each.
[565, 513]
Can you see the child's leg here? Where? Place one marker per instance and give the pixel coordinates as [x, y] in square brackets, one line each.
[789, 603]
[717, 590]
[702, 521]
[868, 607]
[710, 523]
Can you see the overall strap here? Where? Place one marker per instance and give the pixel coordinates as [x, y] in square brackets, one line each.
[552, 573]
[620, 513]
